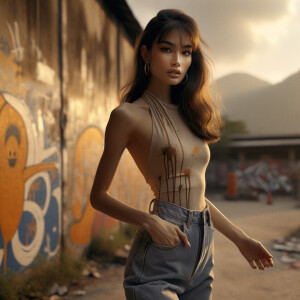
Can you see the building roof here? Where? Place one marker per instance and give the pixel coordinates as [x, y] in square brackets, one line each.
[121, 11]
[248, 140]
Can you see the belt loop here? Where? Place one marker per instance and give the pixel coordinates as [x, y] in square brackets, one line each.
[152, 201]
[208, 217]
[189, 220]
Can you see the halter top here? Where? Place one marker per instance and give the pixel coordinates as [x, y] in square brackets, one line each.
[177, 158]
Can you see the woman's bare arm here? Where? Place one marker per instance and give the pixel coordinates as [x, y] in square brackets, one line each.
[250, 248]
[118, 134]
[224, 225]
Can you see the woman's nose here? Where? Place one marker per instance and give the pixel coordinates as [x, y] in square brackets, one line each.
[175, 60]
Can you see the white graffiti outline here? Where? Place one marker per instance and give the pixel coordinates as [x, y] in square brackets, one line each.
[57, 194]
[260, 176]
[25, 254]
[17, 50]
[35, 134]
[35, 48]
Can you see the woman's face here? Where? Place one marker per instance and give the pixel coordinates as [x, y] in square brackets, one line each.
[171, 57]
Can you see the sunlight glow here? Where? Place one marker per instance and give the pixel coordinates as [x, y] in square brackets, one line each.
[273, 31]
[270, 32]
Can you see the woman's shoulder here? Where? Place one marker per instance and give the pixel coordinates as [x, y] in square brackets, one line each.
[138, 104]
[131, 112]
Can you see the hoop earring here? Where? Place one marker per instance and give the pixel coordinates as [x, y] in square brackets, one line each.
[147, 68]
[186, 79]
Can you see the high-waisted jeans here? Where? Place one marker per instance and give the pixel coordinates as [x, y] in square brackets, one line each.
[160, 272]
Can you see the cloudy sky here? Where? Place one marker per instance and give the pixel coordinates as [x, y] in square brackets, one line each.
[259, 37]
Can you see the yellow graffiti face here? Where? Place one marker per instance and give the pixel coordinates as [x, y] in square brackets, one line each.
[13, 175]
[13, 154]
[13, 143]
[12, 151]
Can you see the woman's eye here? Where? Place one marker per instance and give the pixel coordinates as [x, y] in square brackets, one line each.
[165, 49]
[187, 53]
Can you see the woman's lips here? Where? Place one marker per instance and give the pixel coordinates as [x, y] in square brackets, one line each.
[174, 74]
[174, 71]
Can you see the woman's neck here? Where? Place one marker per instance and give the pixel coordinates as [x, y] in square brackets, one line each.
[160, 90]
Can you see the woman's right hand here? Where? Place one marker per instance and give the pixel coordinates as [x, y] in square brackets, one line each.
[165, 233]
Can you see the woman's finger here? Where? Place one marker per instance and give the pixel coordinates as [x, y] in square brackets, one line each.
[270, 261]
[267, 254]
[183, 237]
[265, 263]
[258, 263]
[252, 264]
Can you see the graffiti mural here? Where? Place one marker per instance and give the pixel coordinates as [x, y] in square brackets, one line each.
[44, 119]
[88, 150]
[30, 196]
[262, 176]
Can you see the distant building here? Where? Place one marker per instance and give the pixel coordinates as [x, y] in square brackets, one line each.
[266, 163]
[261, 162]
[246, 147]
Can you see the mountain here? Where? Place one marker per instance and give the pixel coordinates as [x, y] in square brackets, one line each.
[235, 84]
[266, 109]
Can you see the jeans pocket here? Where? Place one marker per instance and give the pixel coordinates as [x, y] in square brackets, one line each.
[181, 226]
[165, 247]
[133, 251]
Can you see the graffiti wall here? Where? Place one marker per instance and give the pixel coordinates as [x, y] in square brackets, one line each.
[265, 176]
[30, 183]
[62, 64]
[98, 59]
[253, 176]
[91, 92]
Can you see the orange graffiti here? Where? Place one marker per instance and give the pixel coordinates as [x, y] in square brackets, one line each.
[13, 156]
[34, 187]
[103, 221]
[31, 227]
[86, 157]
[53, 175]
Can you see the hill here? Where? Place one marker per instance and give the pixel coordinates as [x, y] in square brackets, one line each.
[236, 84]
[265, 108]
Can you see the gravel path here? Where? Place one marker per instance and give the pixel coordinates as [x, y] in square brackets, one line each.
[234, 278]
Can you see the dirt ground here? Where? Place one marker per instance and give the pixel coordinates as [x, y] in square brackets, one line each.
[234, 278]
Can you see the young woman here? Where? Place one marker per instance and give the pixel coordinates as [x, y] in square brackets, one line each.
[166, 121]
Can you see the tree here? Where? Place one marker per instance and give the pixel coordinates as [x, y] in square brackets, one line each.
[221, 149]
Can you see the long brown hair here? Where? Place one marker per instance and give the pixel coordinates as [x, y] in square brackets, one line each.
[194, 99]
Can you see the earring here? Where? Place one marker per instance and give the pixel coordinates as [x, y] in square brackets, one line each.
[147, 68]
[186, 78]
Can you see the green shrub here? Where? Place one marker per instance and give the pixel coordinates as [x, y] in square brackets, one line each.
[40, 277]
[106, 243]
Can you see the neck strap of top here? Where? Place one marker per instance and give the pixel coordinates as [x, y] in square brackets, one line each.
[153, 97]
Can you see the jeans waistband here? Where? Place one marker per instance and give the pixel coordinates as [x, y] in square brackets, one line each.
[181, 213]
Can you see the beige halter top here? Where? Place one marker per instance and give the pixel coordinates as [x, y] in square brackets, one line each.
[177, 158]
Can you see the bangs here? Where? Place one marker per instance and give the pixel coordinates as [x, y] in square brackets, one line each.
[182, 28]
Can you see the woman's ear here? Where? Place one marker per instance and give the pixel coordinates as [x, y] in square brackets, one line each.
[145, 53]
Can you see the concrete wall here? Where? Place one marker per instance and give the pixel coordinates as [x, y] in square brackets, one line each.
[30, 153]
[61, 66]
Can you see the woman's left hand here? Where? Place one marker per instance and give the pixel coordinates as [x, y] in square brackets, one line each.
[255, 253]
